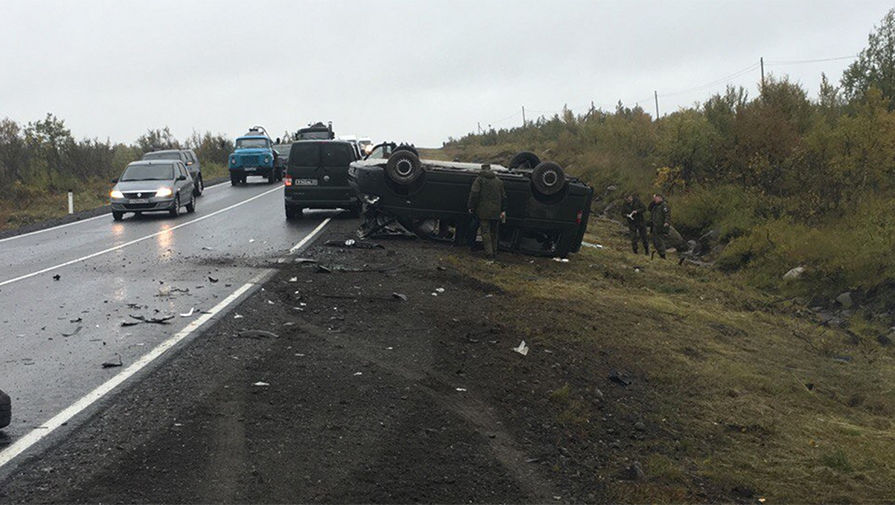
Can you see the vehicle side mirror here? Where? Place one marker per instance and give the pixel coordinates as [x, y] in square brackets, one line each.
[181, 177]
[115, 180]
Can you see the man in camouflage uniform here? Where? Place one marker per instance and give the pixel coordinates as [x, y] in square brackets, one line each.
[633, 209]
[488, 201]
[662, 231]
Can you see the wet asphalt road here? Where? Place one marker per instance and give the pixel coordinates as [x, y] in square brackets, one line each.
[103, 266]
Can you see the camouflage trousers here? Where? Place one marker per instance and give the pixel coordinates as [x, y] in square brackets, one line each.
[490, 232]
[637, 233]
[669, 237]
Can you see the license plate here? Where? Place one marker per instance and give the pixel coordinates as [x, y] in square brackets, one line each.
[249, 169]
[305, 182]
[138, 200]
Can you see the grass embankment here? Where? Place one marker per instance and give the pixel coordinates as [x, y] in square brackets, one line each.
[24, 204]
[740, 392]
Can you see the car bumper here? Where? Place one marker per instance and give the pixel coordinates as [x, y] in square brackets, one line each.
[320, 197]
[152, 204]
[251, 170]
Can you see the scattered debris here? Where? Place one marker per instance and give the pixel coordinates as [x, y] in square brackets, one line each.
[461, 390]
[112, 364]
[620, 378]
[190, 313]
[293, 279]
[304, 260]
[323, 270]
[522, 349]
[251, 240]
[399, 296]
[257, 334]
[78, 320]
[238, 316]
[57, 277]
[354, 244]
[532, 460]
[212, 279]
[125, 324]
[72, 334]
[795, 273]
[594, 246]
[356, 374]
[561, 260]
[206, 248]
[633, 472]
[261, 384]
[439, 290]
[153, 320]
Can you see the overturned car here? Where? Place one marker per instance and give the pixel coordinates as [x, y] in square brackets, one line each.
[547, 211]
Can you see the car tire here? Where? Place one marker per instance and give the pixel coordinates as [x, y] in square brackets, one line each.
[548, 178]
[199, 187]
[524, 160]
[117, 216]
[403, 167]
[244, 180]
[175, 210]
[234, 179]
[293, 213]
[191, 207]
[407, 147]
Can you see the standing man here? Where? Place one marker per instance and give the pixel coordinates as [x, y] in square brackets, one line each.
[634, 210]
[660, 222]
[488, 201]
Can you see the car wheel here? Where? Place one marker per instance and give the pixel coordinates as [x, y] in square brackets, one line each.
[407, 147]
[548, 178]
[524, 160]
[234, 179]
[117, 216]
[191, 207]
[175, 210]
[403, 167]
[199, 187]
[293, 213]
[244, 179]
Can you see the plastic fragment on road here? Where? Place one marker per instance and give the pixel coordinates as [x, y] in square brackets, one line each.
[212, 279]
[439, 290]
[522, 349]
[293, 279]
[238, 316]
[77, 330]
[561, 260]
[461, 390]
[57, 277]
[350, 242]
[399, 296]
[251, 240]
[190, 313]
[261, 384]
[112, 364]
[358, 373]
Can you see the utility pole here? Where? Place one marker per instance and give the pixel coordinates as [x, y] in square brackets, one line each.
[761, 60]
[656, 96]
[523, 115]
[480, 127]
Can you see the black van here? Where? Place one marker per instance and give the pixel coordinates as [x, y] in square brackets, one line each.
[317, 177]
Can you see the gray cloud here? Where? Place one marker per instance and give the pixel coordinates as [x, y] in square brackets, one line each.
[416, 71]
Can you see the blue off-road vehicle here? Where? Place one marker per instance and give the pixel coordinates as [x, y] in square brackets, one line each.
[254, 155]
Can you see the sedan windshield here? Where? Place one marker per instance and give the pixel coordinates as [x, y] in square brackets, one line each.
[148, 173]
[250, 143]
[170, 155]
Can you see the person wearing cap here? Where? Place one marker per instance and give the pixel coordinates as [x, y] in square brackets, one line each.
[487, 201]
[633, 209]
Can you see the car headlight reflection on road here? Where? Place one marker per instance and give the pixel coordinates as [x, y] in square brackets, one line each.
[163, 192]
[116, 194]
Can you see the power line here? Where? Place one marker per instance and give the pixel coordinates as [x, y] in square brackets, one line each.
[818, 60]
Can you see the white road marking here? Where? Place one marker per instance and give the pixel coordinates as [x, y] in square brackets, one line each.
[136, 241]
[307, 238]
[36, 435]
[66, 225]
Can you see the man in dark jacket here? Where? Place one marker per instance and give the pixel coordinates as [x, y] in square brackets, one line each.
[488, 201]
[660, 221]
[633, 210]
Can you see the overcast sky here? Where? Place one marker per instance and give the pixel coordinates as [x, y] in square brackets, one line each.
[413, 71]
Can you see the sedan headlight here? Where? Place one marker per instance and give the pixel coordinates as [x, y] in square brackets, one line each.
[163, 192]
[116, 194]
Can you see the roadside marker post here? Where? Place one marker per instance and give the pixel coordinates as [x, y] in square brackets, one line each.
[71, 202]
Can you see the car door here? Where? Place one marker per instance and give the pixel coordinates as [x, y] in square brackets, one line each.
[304, 164]
[184, 185]
[334, 160]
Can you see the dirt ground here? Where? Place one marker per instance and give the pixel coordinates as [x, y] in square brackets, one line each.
[356, 395]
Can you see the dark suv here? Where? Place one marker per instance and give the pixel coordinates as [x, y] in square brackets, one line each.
[547, 211]
[190, 161]
[317, 177]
